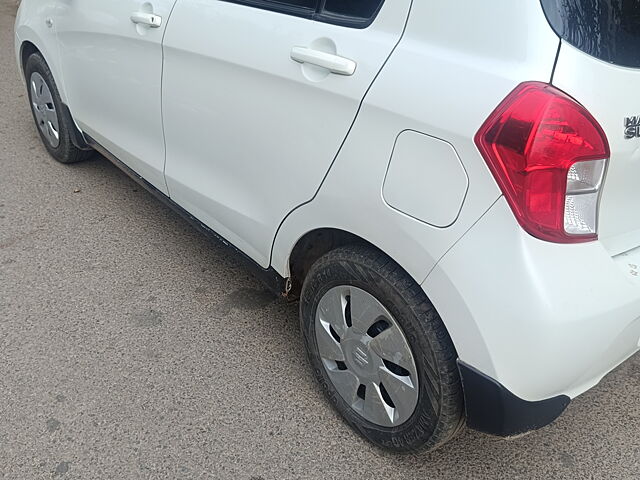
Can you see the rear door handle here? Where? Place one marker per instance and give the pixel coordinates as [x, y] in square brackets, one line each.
[148, 19]
[333, 63]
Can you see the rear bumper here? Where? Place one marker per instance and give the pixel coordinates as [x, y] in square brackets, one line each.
[542, 320]
[493, 409]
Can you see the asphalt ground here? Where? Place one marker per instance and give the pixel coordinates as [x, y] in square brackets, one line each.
[131, 347]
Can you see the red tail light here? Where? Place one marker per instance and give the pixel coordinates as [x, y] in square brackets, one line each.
[548, 155]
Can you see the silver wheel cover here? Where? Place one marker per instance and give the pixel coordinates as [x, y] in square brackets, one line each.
[44, 109]
[366, 356]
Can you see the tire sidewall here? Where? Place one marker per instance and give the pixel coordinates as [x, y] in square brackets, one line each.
[421, 428]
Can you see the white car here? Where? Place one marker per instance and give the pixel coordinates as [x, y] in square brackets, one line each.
[449, 187]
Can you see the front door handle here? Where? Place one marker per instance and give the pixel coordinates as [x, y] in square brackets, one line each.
[148, 19]
[333, 63]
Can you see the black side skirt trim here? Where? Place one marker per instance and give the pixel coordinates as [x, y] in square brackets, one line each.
[493, 409]
[271, 279]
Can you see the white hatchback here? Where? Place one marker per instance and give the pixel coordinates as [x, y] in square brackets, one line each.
[449, 187]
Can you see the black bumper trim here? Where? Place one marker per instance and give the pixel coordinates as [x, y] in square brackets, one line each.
[493, 409]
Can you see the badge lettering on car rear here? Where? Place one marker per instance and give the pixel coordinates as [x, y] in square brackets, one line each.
[632, 127]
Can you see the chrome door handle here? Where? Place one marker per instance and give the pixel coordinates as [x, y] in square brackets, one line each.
[333, 63]
[148, 19]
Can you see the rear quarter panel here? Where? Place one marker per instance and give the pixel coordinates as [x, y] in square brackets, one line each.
[456, 61]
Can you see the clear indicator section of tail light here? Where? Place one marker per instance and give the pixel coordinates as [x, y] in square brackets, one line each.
[549, 157]
[584, 182]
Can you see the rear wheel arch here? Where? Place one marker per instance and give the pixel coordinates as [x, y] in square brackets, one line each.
[311, 246]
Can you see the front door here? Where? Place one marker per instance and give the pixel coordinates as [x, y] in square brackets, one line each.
[111, 56]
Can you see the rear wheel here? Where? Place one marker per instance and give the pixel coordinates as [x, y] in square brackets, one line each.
[53, 126]
[380, 351]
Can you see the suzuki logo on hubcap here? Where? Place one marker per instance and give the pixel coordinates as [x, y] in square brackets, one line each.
[361, 357]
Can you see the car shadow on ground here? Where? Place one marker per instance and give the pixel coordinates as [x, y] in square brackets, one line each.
[599, 422]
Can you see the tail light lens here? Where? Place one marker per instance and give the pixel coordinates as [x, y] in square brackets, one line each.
[549, 157]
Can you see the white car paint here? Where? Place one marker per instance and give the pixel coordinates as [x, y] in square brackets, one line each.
[264, 150]
[272, 138]
[431, 58]
[441, 177]
[112, 73]
[581, 316]
[32, 26]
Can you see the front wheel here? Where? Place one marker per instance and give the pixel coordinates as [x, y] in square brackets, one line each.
[46, 106]
[380, 351]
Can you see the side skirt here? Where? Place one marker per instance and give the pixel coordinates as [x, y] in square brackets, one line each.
[271, 279]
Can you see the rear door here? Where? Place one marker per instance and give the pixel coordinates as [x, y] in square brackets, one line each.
[111, 57]
[258, 96]
[599, 65]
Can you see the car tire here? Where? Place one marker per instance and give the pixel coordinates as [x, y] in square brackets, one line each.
[364, 276]
[53, 125]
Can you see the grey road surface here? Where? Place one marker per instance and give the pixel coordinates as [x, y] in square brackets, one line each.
[132, 348]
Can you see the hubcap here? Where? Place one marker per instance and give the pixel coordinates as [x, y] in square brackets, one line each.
[366, 356]
[44, 109]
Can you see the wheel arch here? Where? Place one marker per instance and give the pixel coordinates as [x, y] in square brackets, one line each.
[317, 242]
[293, 259]
[29, 43]
[28, 48]
[313, 245]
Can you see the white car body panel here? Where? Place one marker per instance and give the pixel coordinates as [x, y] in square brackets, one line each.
[112, 72]
[264, 150]
[431, 59]
[276, 132]
[581, 320]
